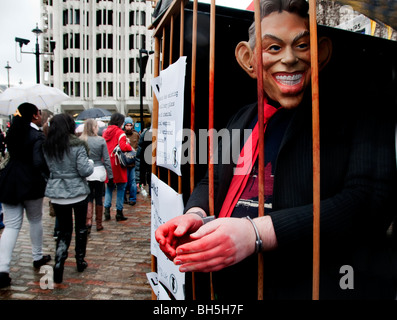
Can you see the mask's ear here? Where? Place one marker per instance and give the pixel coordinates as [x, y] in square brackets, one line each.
[324, 51]
[244, 56]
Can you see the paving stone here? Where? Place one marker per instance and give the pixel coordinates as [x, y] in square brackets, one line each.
[118, 259]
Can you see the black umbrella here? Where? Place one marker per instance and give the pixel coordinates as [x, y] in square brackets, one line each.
[93, 113]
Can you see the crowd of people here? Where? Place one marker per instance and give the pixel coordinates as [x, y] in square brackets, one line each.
[74, 170]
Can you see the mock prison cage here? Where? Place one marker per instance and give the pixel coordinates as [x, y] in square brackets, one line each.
[216, 87]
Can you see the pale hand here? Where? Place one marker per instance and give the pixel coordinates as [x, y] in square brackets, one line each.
[177, 231]
[216, 245]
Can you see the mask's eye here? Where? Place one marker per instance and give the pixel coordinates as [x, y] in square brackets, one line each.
[274, 48]
[303, 46]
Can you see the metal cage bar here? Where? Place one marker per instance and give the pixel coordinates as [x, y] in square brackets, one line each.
[316, 150]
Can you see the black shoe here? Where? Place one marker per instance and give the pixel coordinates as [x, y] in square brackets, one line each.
[120, 216]
[5, 279]
[81, 265]
[132, 203]
[38, 263]
[107, 214]
[58, 273]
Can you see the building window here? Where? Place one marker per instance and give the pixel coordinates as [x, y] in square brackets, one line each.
[65, 17]
[131, 89]
[143, 18]
[65, 41]
[99, 89]
[98, 65]
[98, 41]
[110, 65]
[110, 17]
[110, 89]
[77, 65]
[132, 15]
[77, 41]
[77, 16]
[98, 18]
[77, 89]
[131, 64]
[65, 65]
[110, 41]
[66, 87]
[131, 46]
[143, 41]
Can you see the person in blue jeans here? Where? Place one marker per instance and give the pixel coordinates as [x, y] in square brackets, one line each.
[133, 139]
[114, 136]
[110, 186]
[131, 186]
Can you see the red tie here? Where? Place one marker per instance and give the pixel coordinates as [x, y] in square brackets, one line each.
[247, 158]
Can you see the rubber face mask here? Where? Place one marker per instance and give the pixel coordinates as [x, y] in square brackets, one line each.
[286, 57]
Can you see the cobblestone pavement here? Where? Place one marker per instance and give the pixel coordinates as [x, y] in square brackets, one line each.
[118, 259]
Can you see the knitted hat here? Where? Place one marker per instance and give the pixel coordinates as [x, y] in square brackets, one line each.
[128, 120]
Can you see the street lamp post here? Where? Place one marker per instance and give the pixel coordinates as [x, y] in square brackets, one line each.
[8, 67]
[37, 32]
[142, 68]
[37, 52]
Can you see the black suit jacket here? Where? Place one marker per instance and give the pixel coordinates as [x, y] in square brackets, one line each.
[358, 182]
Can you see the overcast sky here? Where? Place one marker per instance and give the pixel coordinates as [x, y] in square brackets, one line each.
[18, 18]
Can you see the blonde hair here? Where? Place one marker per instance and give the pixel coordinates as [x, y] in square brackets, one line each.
[89, 129]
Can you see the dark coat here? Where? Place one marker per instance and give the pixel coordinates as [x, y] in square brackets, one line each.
[358, 183]
[24, 177]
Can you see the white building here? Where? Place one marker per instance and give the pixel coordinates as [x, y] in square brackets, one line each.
[97, 51]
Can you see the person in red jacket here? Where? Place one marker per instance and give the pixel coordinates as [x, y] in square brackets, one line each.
[115, 135]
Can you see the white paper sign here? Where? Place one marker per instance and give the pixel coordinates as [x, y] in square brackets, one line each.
[166, 204]
[169, 89]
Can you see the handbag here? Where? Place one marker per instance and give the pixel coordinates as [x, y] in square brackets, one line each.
[124, 158]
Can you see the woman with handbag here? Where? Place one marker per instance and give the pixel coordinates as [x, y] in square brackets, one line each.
[115, 136]
[102, 167]
[22, 185]
[67, 188]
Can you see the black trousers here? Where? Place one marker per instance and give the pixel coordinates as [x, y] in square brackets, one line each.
[96, 194]
[64, 215]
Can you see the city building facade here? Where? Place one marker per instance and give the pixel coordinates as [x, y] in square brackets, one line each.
[98, 44]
